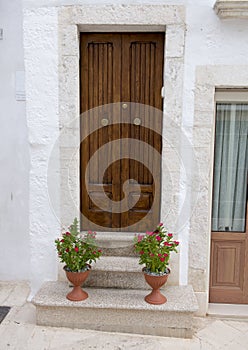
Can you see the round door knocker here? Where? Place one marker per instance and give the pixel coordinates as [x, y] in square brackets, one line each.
[137, 121]
[104, 122]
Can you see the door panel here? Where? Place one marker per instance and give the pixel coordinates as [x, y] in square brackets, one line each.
[228, 257]
[228, 269]
[114, 68]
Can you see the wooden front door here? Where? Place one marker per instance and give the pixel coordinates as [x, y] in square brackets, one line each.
[120, 73]
[229, 241]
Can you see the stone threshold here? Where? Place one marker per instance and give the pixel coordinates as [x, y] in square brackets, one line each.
[118, 310]
[228, 311]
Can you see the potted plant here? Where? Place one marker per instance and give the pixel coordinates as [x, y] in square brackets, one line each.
[154, 250]
[77, 252]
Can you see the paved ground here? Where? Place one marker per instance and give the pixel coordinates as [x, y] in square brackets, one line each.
[19, 332]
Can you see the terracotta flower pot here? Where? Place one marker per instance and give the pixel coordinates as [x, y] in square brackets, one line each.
[77, 279]
[156, 282]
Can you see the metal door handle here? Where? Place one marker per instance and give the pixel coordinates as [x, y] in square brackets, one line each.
[124, 106]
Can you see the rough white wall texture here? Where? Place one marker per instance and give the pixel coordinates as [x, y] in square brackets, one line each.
[14, 154]
[41, 63]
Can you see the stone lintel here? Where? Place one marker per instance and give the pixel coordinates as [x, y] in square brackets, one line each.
[231, 8]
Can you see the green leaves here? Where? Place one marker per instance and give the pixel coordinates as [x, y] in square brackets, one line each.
[75, 250]
[74, 227]
[154, 249]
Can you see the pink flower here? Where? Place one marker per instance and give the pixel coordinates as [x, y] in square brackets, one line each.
[159, 254]
[62, 240]
[67, 233]
[141, 252]
[140, 237]
[162, 259]
[76, 249]
[170, 235]
[99, 250]
[67, 250]
[149, 233]
[165, 255]
[161, 224]
[167, 244]
[151, 254]
[158, 238]
[176, 242]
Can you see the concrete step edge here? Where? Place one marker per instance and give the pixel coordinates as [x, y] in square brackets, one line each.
[181, 299]
[117, 264]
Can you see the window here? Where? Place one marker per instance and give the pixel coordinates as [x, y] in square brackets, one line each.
[230, 162]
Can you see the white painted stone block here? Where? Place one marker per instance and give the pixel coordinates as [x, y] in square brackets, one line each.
[175, 35]
[69, 40]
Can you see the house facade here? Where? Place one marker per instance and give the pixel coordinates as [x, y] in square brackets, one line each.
[167, 78]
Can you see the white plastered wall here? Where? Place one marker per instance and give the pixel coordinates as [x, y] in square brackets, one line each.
[41, 64]
[14, 154]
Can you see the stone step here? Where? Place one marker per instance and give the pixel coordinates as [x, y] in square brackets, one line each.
[118, 310]
[117, 272]
[116, 243]
[114, 272]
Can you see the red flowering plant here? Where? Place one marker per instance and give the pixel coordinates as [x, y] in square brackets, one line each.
[154, 249]
[77, 251]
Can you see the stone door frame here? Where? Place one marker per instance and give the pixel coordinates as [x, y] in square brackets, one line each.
[124, 18]
[207, 80]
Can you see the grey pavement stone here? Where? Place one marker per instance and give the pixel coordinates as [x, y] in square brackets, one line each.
[18, 331]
